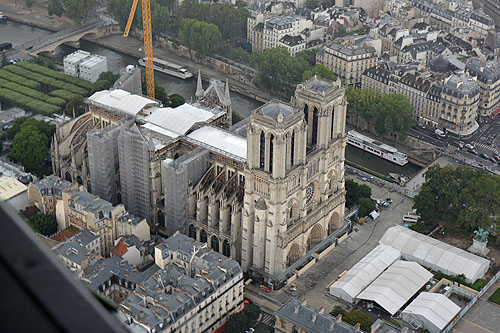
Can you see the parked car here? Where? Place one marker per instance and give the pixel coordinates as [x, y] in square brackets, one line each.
[489, 142]
[469, 146]
[455, 143]
[441, 133]
[472, 151]
[483, 155]
[493, 160]
[420, 125]
[496, 156]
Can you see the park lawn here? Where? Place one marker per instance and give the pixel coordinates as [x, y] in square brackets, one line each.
[495, 297]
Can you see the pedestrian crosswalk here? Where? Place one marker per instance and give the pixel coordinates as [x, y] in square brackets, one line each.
[487, 147]
[267, 319]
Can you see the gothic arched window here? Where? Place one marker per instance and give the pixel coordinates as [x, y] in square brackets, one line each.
[333, 122]
[315, 127]
[262, 149]
[306, 113]
[292, 148]
[271, 152]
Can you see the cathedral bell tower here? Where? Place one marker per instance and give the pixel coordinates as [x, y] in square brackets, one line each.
[294, 193]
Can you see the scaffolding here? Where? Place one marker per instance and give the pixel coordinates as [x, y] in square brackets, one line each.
[178, 174]
[134, 156]
[102, 148]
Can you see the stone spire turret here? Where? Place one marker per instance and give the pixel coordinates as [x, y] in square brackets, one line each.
[227, 98]
[199, 86]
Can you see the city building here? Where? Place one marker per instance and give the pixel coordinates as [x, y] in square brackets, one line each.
[487, 76]
[379, 78]
[348, 59]
[194, 290]
[415, 86]
[45, 193]
[130, 249]
[297, 316]
[278, 27]
[80, 251]
[85, 65]
[459, 105]
[13, 192]
[85, 210]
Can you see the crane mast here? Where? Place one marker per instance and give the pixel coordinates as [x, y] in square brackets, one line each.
[148, 42]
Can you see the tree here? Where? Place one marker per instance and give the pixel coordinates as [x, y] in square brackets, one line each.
[43, 224]
[55, 7]
[238, 323]
[278, 71]
[337, 309]
[309, 56]
[120, 10]
[355, 316]
[159, 18]
[200, 36]
[29, 3]
[320, 71]
[43, 127]
[108, 76]
[29, 148]
[341, 31]
[176, 100]
[44, 61]
[465, 197]
[366, 205]
[236, 117]
[75, 103]
[79, 9]
[312, 4]
[101, 85]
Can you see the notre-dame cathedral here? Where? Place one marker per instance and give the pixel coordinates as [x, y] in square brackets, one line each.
[264, 191]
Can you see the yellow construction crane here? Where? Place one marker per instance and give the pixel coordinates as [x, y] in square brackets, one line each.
[148, 43]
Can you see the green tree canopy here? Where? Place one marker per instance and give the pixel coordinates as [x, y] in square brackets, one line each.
[176, 100]
[43, 224]
[231, 21]
[354, 317]
[109, 76]
[55, 7]
[309, 56]
[78, 9]
[238, 323]
[385, 113]
[202, 37]
[29, 148]
[75, 103]
[466, 197]
[43, 127]
[360, 195]
[100, 85]
[320, 71]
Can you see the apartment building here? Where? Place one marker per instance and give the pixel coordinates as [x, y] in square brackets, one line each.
[379, 78]
[85, 210]
[487, 76]
[278, 27]
[415, 86]
[459, 105]
[80, 251]
[194, 290]
[45, 193]
[348, 60]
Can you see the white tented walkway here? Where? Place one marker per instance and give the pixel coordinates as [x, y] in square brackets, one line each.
[430, 311]
[396, 286]
[364, 272]
[434, 254]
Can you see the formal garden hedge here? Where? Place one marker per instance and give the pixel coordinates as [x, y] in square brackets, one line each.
[64, 94]
[12, 97]
[55, 74]
[6, 75]
[47, 83]
[35, 94]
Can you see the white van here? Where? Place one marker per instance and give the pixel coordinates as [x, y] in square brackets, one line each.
[440, 133]
[410, 218]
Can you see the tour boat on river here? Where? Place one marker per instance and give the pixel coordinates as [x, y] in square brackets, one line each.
[169, 68]
[375, 147]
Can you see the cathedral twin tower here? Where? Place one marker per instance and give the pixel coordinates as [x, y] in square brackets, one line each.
[294, 188]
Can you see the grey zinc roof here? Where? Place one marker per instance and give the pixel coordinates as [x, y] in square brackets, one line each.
[91, 203]
[309, 319]
[352, 49]
[459, 85]
[52, 185]
[488, 72]
[273, 109]
[72, 250]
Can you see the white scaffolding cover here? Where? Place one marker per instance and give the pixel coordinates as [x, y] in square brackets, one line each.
[364, 272]
[393, 288]
[434, 254]
[430, 311]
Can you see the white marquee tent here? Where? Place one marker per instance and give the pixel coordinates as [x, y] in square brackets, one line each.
[434, 254]
[364, 272]
[393, 288]
[430, 311]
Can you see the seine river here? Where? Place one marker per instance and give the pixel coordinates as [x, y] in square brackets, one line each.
[19, 34]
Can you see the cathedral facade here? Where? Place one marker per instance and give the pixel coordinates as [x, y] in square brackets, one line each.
[294, 189]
